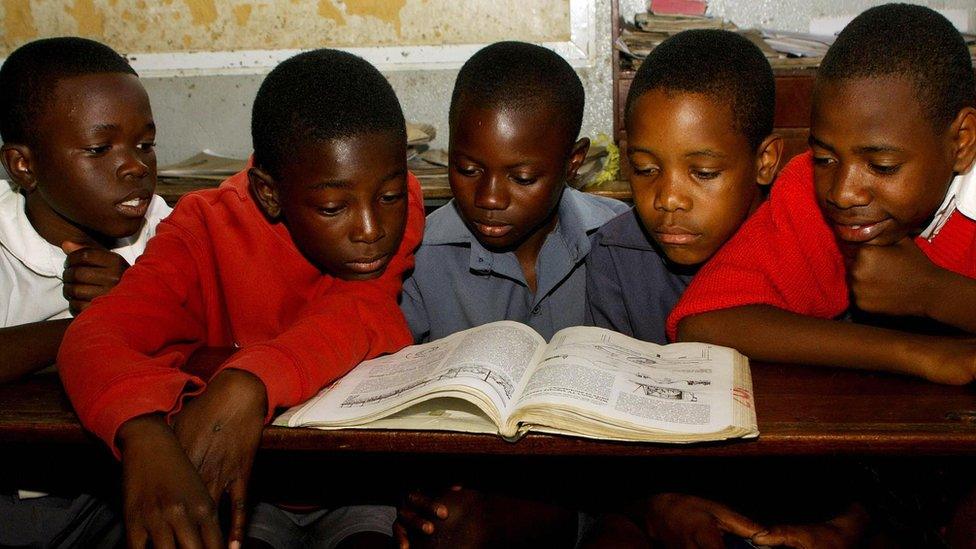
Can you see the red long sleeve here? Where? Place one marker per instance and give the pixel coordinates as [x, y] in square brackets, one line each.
[785, 255]
[219, 274]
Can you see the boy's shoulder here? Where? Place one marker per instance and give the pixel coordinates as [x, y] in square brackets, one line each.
[213, 205]
[19, 239]
[593, 211]
[624, 231]
[445, 226]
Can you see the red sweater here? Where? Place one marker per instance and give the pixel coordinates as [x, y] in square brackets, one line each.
[217, 273]
[785, 255]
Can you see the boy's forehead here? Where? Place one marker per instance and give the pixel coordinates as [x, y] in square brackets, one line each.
[93, 102]
[345, 162]
[868, 109]
[688, 121]
[508, 130]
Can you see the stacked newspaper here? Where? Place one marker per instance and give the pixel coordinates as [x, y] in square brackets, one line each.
[210, 165]
[782, 49]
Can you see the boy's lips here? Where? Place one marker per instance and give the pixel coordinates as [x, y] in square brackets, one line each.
[675, 235]
[860, 232]
[367, 265]
[135, 204]
[492, 229]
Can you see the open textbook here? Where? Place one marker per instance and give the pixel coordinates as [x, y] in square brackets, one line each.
[504, 378]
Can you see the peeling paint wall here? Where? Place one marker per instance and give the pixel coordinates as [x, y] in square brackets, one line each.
[193, 113]
[148, 26]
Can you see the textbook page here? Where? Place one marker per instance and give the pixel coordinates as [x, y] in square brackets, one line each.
[486, 364]
[635, 385]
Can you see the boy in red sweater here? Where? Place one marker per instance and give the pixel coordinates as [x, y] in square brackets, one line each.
[880, 216]
[297, 261]
[878, 221]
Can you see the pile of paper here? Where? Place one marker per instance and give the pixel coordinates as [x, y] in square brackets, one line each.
[210, 165]
[782, 49]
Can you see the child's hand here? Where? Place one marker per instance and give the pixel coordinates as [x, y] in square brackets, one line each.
[679, 520]
[839, 533]
[946, 360]
[893, 280]
[220, 431]
[89, 271]
[417, 515]
[165, 503]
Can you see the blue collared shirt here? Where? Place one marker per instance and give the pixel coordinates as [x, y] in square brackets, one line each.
[630, 287]
[458, 284]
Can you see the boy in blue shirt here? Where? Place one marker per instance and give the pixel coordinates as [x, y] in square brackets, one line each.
[511, 244]
[699, 119]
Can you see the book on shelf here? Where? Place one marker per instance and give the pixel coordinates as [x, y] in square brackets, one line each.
[504, 378]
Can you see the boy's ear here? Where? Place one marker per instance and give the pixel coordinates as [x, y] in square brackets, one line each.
[577, 157]
[768, 157]
[964, 139]
[264, 188]
[18, 162]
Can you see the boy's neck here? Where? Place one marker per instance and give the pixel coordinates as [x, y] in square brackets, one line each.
[54, 228]
[528, 252]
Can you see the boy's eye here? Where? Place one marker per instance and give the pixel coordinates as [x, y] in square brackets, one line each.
[466, 171]
[97, 149]
[523, 179]
[706, 175]
[147, 146]
[392, 198]
[645, 171]
[821, 161]
[885, 169]
[331, 210]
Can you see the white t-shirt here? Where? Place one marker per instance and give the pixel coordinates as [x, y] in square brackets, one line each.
[960, 196]
[31, 267]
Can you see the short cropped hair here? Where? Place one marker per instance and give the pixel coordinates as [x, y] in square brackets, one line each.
[320, 95]
[719, 64]
[910, 41]
[29, 77]
[517, 76]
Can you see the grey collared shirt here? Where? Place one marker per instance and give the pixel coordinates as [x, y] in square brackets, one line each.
[630, 287]
[458, 284]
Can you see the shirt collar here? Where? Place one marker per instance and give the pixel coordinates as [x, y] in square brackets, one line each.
[626, 231]
[576, 222]
[961, 196]
[18, 236]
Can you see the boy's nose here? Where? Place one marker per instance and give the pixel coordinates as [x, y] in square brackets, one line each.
[848, 188]
[491, 194]
[368, 228]
[669, 197]
[133, 167]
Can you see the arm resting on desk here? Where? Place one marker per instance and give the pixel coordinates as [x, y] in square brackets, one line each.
[767, 333]
[29, 347]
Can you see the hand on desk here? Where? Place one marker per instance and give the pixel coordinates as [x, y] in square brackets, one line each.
[165, 502]
[90, 271]
[220, 431]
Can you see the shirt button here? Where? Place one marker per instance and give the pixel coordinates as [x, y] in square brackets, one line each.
[536, 309]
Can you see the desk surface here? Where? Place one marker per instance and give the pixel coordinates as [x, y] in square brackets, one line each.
[802, 412]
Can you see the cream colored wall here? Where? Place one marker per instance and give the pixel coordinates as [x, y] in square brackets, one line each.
[213, 111]
[147, 26]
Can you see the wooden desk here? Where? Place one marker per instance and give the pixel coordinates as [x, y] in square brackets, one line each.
[802, 412]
